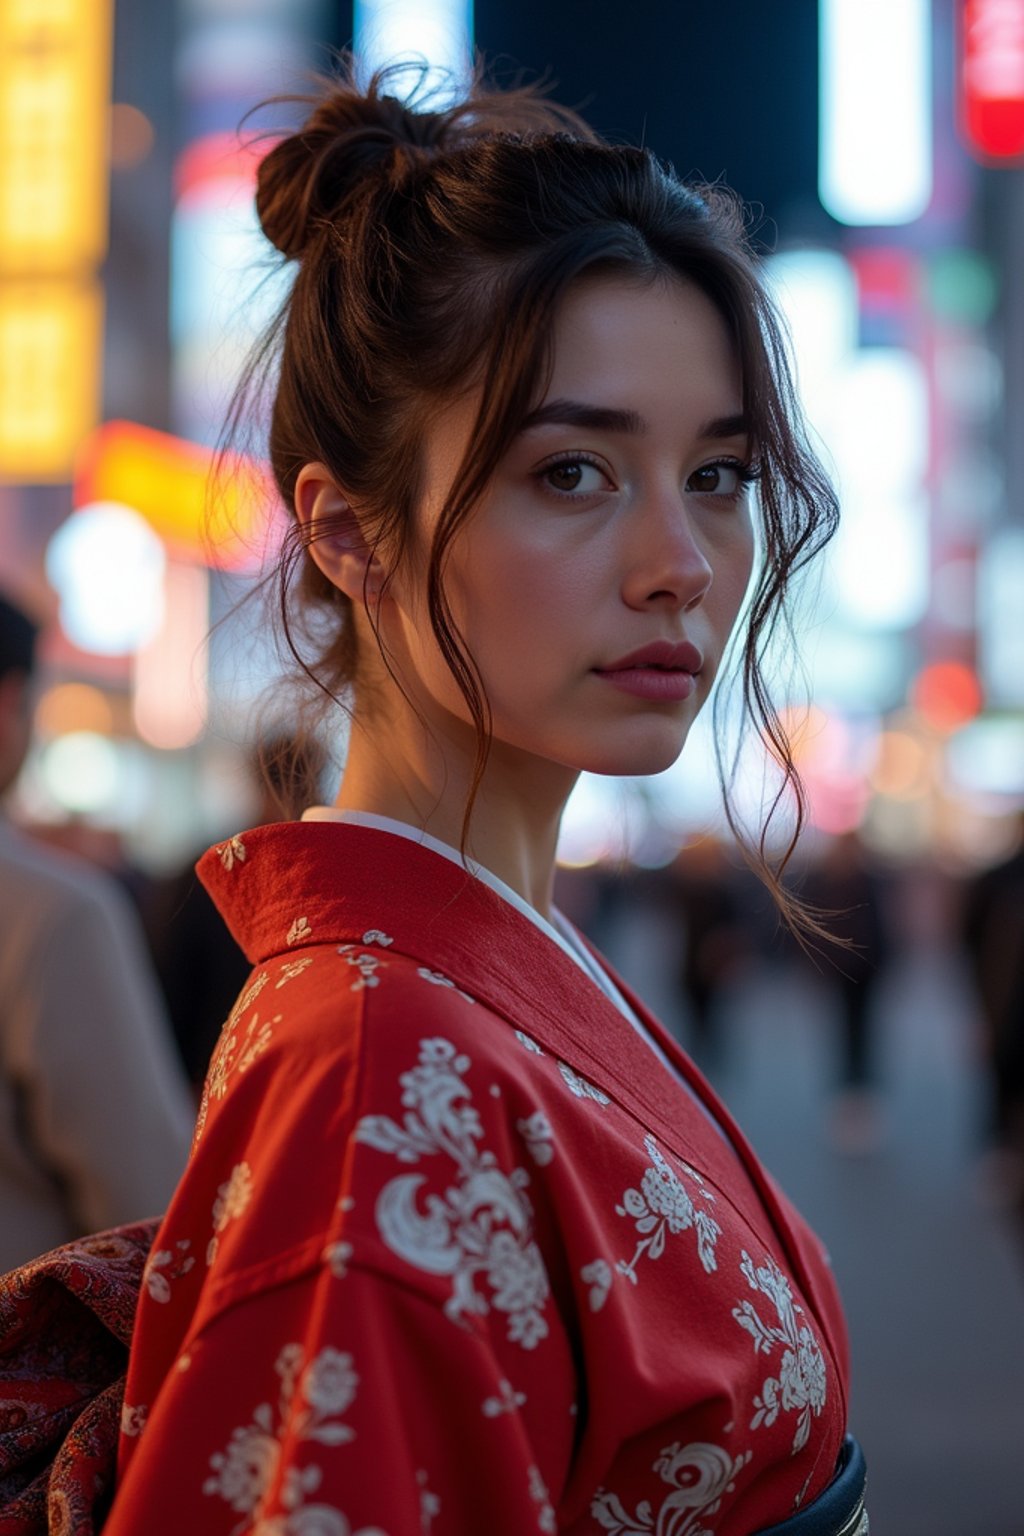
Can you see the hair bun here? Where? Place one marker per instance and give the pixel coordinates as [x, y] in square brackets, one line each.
[306, 179]
[304, 182]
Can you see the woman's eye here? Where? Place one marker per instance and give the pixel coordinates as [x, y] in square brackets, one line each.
[718, 479]
[575, 477]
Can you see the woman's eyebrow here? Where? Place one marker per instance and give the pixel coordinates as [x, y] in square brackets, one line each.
[574, 413]
[601, 418]
[725, 426]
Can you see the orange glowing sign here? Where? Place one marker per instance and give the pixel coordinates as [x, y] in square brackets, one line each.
[212, 518]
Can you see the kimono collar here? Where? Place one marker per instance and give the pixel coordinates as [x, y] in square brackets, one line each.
[292, 885]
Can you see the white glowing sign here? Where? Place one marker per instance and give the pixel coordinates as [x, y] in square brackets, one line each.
[869, 410]
[880, 555]
[875, 106]
[1000, 600]
[438, 32]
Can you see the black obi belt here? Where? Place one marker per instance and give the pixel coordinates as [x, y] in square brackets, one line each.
[839, 1511]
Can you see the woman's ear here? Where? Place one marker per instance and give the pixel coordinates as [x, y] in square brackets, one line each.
[333, 534]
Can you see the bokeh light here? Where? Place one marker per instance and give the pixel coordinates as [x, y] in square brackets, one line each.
[947, 694]
[82, 772]
[131, 136]
[901, 771]
[71, 707]
[107, 566]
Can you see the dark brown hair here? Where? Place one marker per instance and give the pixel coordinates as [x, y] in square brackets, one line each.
[432, 250]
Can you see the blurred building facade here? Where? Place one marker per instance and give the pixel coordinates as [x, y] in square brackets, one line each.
[907, 336]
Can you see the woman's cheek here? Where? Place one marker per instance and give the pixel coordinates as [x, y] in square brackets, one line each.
[736, 559]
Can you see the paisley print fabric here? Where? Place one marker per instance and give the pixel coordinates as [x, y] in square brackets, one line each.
[65, 1325]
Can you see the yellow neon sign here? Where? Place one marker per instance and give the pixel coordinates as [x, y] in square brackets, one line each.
[54, 113]
[54, 120]
[50, 343]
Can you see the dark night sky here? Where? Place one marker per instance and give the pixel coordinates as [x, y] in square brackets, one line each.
[722, 88]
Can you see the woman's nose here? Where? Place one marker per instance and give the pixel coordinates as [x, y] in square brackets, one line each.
[667, 566]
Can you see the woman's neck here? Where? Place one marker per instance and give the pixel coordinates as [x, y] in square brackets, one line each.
[513, 831]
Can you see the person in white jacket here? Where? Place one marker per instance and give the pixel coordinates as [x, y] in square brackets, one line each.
[95, 1114]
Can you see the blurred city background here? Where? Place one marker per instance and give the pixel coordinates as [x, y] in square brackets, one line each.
[880, 146]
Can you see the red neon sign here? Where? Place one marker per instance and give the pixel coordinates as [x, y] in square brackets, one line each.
[991, 78]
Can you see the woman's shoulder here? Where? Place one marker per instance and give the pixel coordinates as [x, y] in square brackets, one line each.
[329, 1059]
[321, 1036]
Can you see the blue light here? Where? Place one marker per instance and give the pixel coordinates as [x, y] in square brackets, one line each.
[435, 33]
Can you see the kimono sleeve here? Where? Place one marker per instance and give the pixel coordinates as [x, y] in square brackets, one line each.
[336, 1405]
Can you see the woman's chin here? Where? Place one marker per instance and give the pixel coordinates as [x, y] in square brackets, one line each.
[647, 753]
[634, 749]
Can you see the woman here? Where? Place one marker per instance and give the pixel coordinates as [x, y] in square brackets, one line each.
[466, 1243]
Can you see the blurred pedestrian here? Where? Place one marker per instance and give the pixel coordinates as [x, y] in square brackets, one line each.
[467, 1243]
[993, 931]
[95, 1118]
[844, 884]
[715, 945]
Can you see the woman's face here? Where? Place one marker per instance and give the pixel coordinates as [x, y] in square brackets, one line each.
[596, 584]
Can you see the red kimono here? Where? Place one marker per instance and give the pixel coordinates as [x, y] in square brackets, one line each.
[455, 1252]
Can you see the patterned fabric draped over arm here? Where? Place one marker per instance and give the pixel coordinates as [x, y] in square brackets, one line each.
[65, 1323]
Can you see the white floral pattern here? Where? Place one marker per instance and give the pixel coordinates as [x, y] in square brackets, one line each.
[227, 1058]
[430, 1504]
[507, 1401]
[232, 1198]
[801, 1386]
[299, 931]
[482, 1224]
[580, 1087]
[700, 1476]
[539, 1495]
[309, 1404]
[439, 979]
[336, 1256]
[133, 1420]
[662, 1205]
[231, 853]
[292, 968]
[246, 999]
[244, 1469]
[165, 1265]
[375, 936]
[536, 1131]
[598, 1276]
[366, 965]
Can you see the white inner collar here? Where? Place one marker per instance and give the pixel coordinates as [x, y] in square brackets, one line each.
[561, 932]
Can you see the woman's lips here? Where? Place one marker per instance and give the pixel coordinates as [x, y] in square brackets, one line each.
[667, 686]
